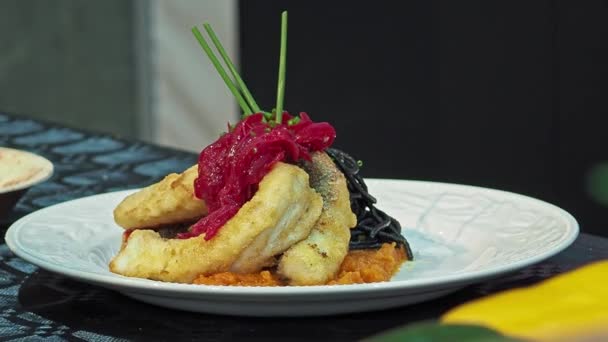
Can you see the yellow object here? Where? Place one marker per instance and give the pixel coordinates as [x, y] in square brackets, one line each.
[571, 304]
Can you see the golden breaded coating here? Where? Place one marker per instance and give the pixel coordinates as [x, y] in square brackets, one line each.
[169, 201]
[317, 259]
[285, 207]
[293, 226]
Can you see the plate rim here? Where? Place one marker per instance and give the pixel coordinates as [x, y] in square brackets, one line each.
[126, 284]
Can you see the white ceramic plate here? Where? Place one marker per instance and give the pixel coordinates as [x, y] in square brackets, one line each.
[459, 234]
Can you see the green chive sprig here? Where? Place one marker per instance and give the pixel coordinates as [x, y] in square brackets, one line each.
[282, 65]
[218, 66]
[232, 68]
[237, 87]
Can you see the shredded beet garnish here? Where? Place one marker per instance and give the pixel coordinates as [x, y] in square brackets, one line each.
[230, 169]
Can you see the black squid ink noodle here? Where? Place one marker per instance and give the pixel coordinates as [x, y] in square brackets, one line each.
[374, 227]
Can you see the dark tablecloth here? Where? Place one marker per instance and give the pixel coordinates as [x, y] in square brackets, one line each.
[38, 305]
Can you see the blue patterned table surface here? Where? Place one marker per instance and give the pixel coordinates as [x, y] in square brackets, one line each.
[86, 163]
[36, 305]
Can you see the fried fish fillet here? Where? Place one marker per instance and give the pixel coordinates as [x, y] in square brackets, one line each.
[170, 201]
[282, 212]
[317, 259]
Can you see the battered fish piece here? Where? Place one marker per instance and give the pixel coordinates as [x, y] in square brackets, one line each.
[291, 227]
[170, 201]
[283, 211]
[317, 259]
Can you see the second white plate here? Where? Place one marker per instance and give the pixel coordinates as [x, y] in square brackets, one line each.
[459, 234]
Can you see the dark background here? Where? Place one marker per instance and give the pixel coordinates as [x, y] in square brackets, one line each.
[502, 94]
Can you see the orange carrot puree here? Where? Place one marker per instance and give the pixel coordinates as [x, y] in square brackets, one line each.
[359, 266]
